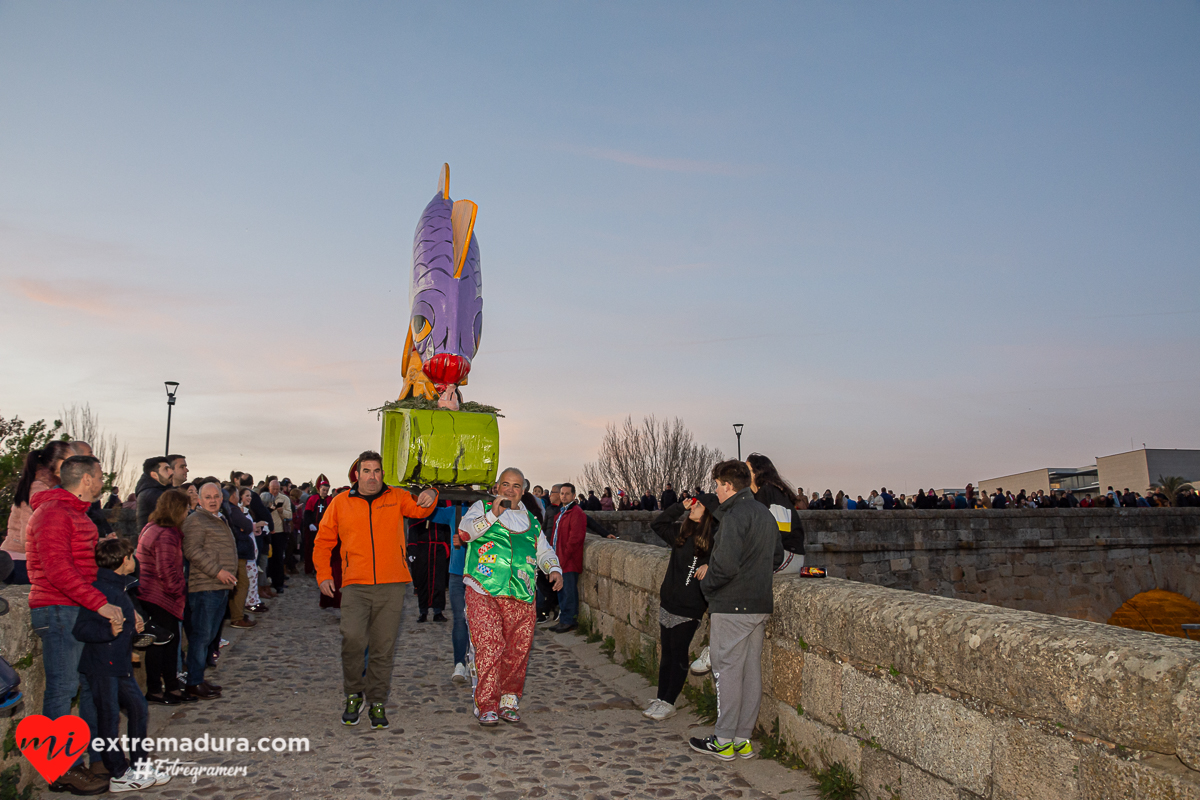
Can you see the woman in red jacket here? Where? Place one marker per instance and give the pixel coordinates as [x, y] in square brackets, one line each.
[162, 590]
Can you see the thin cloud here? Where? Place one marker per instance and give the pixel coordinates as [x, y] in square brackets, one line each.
[666, 164]
[100, 300]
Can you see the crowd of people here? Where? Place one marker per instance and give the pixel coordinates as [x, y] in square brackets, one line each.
[881, 499]
[210, 552]
[207, 553]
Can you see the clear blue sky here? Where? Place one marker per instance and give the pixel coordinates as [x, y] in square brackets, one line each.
[904, 244]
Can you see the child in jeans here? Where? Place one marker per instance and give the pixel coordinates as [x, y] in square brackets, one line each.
[107, 666]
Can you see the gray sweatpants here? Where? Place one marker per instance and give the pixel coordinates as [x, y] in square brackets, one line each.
[735, 643]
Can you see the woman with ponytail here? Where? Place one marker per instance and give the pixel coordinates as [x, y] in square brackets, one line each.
[39, 474]
[774, 492]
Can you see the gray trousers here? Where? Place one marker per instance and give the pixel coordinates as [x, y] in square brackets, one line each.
[370, 622]
[735, 643]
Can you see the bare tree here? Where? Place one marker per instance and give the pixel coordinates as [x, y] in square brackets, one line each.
[644, 457]
[80, 423]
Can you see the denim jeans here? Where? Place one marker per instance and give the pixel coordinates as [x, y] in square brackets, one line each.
[202, 620]
[458, 607]
[55, 625]
[568, 599]
[113, 694]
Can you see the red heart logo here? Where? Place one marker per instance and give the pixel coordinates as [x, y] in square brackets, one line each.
[52, 745]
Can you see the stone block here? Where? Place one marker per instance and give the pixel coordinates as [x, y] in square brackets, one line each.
[818, 744]
[1106, 777]
[619, 558]
[932, 732]
[1028, 764]
[879, 774]
[598, 557]
[604, 586]
[619, 605]
[788, 672]
[645, 570]
[822, 689]
[1187, 720]
[917, 784]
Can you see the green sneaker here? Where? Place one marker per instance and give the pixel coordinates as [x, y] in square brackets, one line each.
[710, 746]
[354, 704]
[743, 749]
[377, 717]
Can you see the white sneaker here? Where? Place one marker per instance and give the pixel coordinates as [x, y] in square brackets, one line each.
[702, 664]
[132, 781]
[659, 710]
[148, 769]
[460, 673]
[550, 621]
[224, 643]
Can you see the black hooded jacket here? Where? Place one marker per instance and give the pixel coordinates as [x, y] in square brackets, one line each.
[680, 593]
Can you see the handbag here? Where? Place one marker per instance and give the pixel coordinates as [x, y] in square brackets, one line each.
[9, 681]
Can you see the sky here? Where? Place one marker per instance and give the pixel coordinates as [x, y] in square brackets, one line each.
[909, 245]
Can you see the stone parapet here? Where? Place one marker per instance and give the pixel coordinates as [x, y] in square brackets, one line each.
[944, 698]
[1080, 563]
[22, 648]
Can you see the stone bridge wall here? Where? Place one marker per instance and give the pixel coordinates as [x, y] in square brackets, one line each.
[21, 647]
[1081, 563]
[945, 699]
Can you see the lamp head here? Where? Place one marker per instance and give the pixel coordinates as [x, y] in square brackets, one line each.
[172, 387]
[737, 428]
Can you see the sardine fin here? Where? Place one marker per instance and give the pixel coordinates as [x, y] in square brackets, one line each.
[462, 220]
[415, 381]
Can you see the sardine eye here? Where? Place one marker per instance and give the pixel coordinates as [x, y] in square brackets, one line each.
[420, 327]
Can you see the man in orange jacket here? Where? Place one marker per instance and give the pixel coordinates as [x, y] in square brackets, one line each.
[368, 521]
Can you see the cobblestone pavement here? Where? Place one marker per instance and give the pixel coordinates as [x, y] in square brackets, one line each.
[581, 734]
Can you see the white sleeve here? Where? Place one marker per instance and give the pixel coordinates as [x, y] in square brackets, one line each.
[475, 522]
[546, 557]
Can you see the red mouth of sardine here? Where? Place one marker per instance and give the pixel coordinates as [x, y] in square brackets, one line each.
[445, 369]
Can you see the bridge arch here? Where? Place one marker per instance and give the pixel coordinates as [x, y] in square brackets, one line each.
[1157, 611]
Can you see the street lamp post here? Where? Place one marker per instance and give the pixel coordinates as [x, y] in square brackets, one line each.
[737, 428]
[172, 388]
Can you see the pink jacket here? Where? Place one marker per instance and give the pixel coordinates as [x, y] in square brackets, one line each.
[18, 523]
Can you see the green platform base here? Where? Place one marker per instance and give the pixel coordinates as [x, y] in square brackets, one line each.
[440, 447]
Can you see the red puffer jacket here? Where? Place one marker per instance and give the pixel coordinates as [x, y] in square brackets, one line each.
[160, 556]
[570, 529]
[60, 543]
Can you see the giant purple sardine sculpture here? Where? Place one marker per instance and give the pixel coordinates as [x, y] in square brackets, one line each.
[446, 299]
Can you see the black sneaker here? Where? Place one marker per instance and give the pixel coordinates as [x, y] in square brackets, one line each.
[725, 752]
[423, 616]
[377, 717]
[439, 616]
[563, 628]
[354, 704]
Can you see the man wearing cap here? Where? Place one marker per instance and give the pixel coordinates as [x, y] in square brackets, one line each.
[314, 511]
[368, 523]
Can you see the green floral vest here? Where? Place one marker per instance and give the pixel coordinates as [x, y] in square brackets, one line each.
[504, 562]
